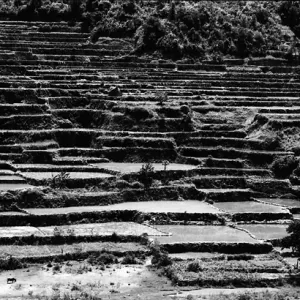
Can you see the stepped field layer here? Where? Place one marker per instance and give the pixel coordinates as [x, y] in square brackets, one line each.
[131, 165]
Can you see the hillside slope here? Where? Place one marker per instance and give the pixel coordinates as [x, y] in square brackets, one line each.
[198, 30]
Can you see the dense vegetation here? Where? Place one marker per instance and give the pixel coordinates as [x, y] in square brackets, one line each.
[204, 29]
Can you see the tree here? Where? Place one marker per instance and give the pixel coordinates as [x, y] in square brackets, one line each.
[172, 12]
[289, 12]
[75, 9]
[293, 239]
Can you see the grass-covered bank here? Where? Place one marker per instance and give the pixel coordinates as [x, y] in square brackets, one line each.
[198, 30]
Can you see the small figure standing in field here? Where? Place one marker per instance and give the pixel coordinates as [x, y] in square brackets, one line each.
[165, 164]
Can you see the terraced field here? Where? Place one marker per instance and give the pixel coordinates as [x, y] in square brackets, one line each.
[78, 121]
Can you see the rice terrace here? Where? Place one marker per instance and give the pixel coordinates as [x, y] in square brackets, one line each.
[149, 149]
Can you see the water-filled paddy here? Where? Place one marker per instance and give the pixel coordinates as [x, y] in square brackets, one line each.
[189, 206]
[104, 229]
[14, 186]
[101, 229]
[266, 231]
[135, 167]
[203, 234]
[71, 175]
[19, 231]
[249, 207]
[284, 202]
[46, 250]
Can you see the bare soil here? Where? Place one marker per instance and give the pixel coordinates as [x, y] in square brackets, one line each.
[115, 282]
[192, 233]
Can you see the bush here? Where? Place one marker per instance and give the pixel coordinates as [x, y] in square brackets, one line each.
[159, 257]
[107, 258]
[284, 166]
[57, 232]
[194, 266]
[161, 97]
[30, 197]
[139, 113]
[272, 143]
[187, 123]
[244, 297]
[103, 259]
[60, 180]
[240, 257]
[145, 175]
[56, 267]
[130, 259]
[11, 264]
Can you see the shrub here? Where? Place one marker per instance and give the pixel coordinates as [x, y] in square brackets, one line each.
[57, 232]
[59, 180]
[115, 237]
[240, 257]
[145, 175]
[194, 266]
[11, 264]
[139, 113]
[160, 258]
[161, 97]
[187, 123]
[56, 267]
[31, 196]
[185, 109]
[296, 172]
[244, 297]
[130, 259]
[284, 166]
[103, 258]
[272, 143]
